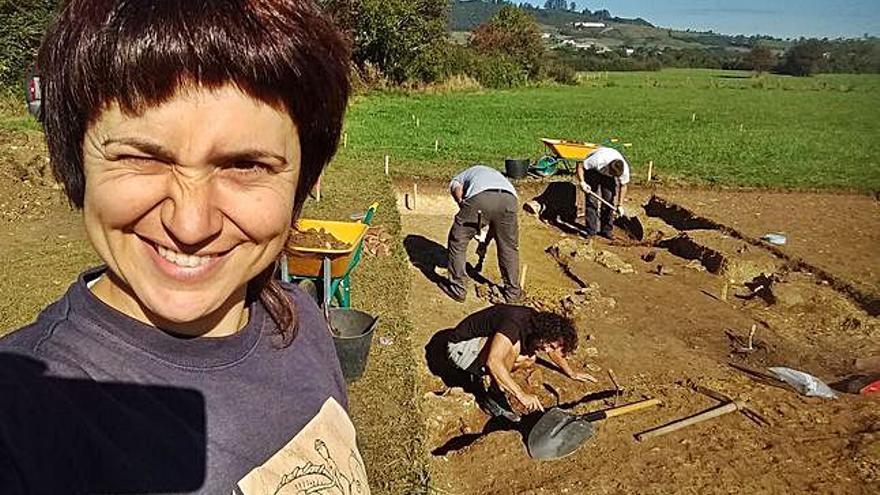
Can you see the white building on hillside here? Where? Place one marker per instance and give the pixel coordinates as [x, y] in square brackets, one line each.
[584, 24]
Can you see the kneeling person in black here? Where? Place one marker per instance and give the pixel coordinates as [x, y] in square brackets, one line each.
[500, 339]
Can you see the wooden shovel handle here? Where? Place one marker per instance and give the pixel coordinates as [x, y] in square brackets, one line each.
[692, 420]
[617, 411]
[600, 198]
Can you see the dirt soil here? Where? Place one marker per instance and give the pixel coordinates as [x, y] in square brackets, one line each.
[314, 238]
[676, 319]
[836, 232]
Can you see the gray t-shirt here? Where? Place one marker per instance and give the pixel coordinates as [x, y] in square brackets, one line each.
[480, 178]
[93, 401]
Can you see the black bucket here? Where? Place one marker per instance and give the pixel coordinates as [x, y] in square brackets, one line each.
[516, 168]
[352, 336]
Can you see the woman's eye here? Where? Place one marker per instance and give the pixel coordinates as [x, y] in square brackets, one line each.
[141, 160]
[250, 167]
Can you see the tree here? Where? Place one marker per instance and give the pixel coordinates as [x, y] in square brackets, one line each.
[555, 5]
[400, 37]
[760, 59]
[602, 15]
[511, 33]
[803, 59]
[24, 22]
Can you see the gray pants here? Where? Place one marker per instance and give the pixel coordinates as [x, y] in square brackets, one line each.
[499, 213]
[606, 187]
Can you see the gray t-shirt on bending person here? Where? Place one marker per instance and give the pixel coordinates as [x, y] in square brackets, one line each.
[480, 178]
[93, 401]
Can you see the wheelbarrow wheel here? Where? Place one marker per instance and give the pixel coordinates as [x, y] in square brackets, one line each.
[545, 166]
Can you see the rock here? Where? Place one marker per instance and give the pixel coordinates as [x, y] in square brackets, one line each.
[572, 248]
[613, 262]
[593, 367]
[455, 391]
[591, 352]
[695, 265]
[788, 295]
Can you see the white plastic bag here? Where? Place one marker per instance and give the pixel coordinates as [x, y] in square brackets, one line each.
[804, 383]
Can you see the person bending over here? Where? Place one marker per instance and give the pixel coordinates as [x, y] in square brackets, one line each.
[503, 338]
[606, 173]
[483, 196]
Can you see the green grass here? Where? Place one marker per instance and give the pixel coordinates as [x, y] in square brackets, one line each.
[384, 403]
[13, 113]
[771, 131]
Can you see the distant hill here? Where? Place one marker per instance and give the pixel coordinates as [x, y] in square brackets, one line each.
[465, 15]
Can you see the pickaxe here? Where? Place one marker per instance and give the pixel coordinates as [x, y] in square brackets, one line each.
[727, 405]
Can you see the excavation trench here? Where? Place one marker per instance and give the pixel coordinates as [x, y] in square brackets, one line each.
[653, 313]
[687, 246]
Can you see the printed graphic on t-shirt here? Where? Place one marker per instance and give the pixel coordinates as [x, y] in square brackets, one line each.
[322, 459]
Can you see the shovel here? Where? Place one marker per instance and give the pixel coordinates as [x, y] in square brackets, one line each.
[631, 224]
[559, 433]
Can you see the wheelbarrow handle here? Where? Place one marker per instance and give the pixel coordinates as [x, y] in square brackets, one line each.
[617, 411]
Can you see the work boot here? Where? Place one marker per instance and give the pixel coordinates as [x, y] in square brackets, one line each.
[513, 297]
[447, 289]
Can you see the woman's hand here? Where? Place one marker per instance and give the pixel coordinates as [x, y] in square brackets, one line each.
[530, 402]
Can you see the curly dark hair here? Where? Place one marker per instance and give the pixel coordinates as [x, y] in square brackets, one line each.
[550, 327]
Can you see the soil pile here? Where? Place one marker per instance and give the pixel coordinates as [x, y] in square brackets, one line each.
[315, 239]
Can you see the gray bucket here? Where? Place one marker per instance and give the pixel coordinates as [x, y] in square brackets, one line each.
[516, 168]
[352, 335]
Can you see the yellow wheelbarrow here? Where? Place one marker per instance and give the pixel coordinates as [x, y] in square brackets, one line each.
[561, 154]
[302, 263]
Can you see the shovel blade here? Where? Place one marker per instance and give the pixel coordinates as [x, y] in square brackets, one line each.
[558, 434]
[632, 226]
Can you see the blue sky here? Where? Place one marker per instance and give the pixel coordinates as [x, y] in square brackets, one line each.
[781, 18]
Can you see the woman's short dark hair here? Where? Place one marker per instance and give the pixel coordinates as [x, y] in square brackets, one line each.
[138, 53]
[550, 327]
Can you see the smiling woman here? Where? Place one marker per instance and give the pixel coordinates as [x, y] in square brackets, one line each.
[189, 134]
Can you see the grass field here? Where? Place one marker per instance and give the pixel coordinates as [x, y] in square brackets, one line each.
[721, 127]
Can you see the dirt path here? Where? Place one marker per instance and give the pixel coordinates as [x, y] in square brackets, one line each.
[662, 333]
